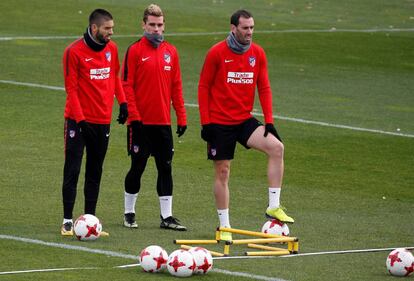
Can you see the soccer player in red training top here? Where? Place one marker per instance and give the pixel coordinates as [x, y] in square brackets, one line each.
[151, 78]
[232, 70]
[90, 67]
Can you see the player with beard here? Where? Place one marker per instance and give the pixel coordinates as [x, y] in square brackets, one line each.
[232, 70]
[90, 67]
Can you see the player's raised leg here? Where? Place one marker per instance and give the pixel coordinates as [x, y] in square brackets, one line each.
[274, 149]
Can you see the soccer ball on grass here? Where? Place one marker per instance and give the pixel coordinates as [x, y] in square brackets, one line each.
[400, 262]
[203, 260]
[181, 263]
[153, 259]
[87, 227]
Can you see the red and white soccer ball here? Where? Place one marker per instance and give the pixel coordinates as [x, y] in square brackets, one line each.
[153, 259]
[181, 263]
[87, 227]
[203, 260]
[275, 227]
[400, 262]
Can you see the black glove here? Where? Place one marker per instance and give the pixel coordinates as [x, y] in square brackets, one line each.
[87, 132]
[123, 113]
[181, 130]
[269, 128]
[207, 132]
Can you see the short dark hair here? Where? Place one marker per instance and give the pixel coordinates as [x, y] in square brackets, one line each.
[234, 20]
[98, 16]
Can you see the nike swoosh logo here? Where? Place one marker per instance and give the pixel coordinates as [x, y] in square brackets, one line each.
[107, 135]
[226, 61]
[88, 59]
[144, 59]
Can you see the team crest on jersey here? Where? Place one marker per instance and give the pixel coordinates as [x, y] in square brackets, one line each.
[72, 133]
[136, 148]
[252, 61]
[108, 56]
[167, 57]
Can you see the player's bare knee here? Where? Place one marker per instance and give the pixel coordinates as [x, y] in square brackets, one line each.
[277, 150]
[223, 173]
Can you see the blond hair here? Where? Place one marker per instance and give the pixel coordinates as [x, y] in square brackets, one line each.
[152, 10]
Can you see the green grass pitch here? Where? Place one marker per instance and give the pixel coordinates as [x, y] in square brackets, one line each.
[343, 63]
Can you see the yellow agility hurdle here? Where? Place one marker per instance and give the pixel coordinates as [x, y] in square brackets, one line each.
[213, 253]
[268, 253]
[248, 232]
[262, 247]
[195, 241]
[262, 238]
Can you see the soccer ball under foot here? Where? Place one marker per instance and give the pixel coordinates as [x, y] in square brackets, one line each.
[275, 227]
[87, 227]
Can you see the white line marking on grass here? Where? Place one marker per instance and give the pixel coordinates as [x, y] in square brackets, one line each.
[298, 120]
[70, 247]
[128, 265]
[345, 252]
[182, 34]
[45, 270]
[121, 255]
[326, 124]
[339, 30]
[227, 272]
[32, 85]
[247, 275]
[313, 254]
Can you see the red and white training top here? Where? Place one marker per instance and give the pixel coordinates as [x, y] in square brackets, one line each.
[228, 82]
[151, 78]
[91, 80]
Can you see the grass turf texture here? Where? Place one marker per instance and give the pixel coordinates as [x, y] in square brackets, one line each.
[335, 179]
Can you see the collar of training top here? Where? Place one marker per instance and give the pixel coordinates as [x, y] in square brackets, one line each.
[91, 42]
